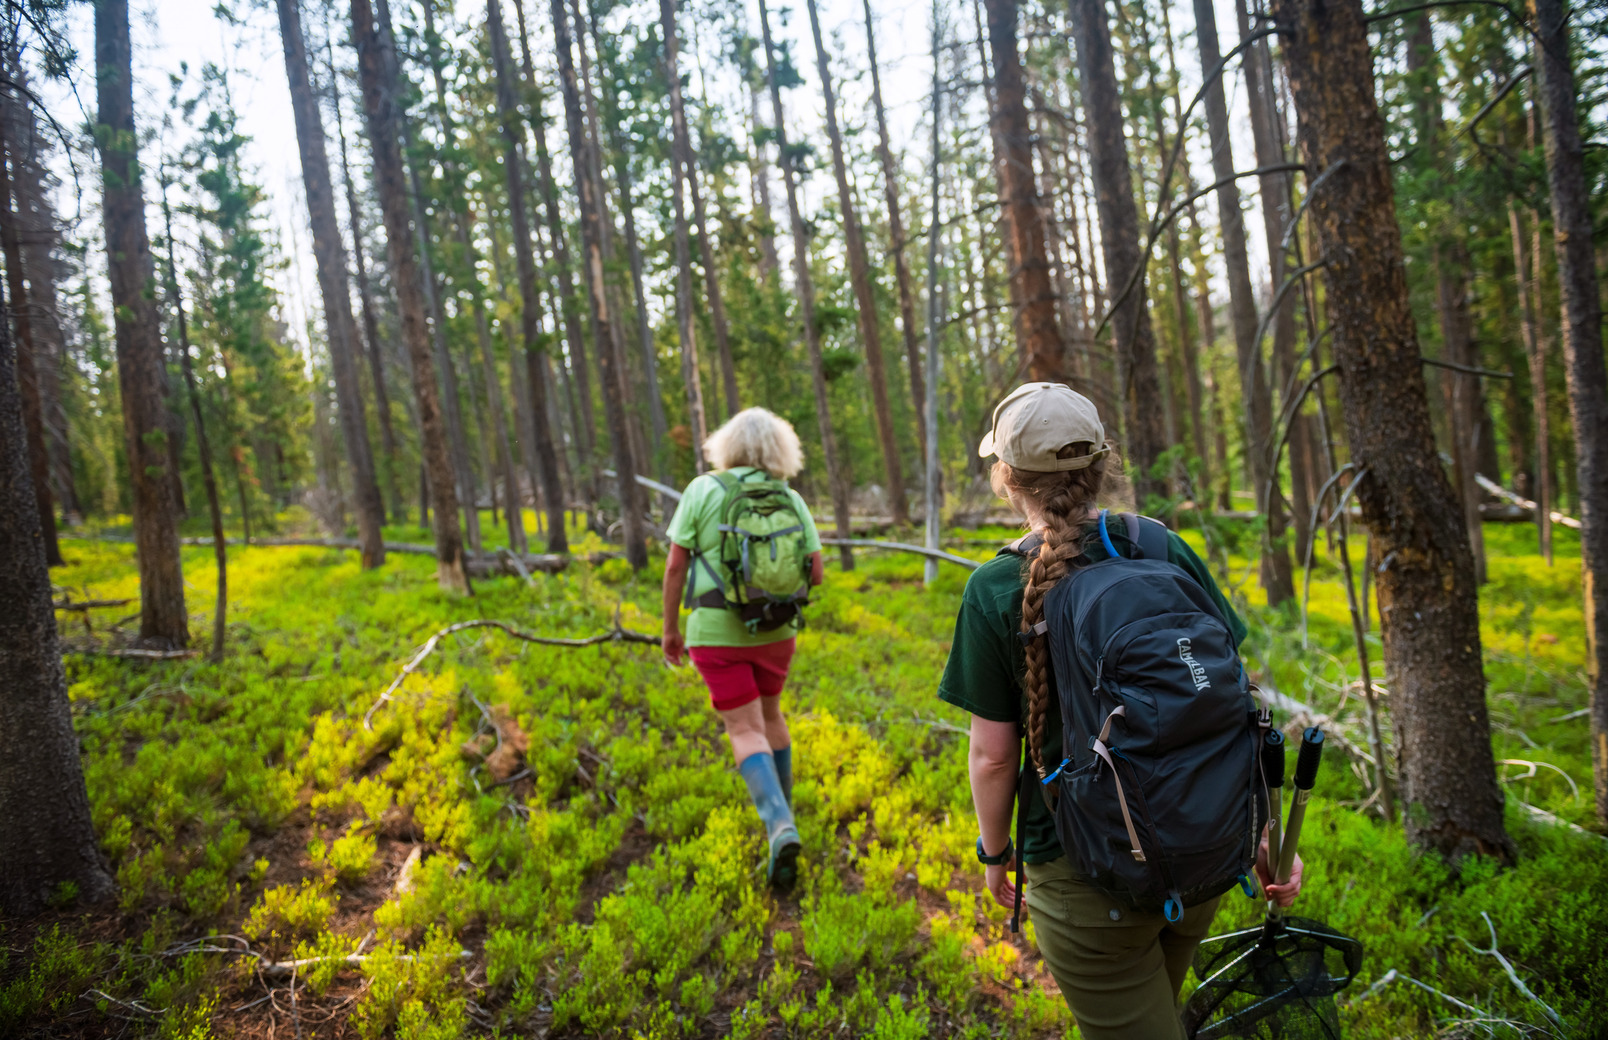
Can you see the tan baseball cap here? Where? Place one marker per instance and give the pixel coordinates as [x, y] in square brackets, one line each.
[1036, 421]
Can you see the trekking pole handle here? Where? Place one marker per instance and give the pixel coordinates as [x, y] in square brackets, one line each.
[1306, 771]
[1273, 758]
[1306, 764]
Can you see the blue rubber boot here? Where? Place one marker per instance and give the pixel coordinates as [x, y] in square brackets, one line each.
[784, 771]
[765, 787]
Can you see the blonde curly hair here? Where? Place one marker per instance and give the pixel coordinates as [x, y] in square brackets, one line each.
[756, 437]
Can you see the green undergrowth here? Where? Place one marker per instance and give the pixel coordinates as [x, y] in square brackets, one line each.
[601, 872]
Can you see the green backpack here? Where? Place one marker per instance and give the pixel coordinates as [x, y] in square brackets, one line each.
[762, 570]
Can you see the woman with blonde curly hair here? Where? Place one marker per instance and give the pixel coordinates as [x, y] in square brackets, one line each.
[744, 661]
[1119, 969]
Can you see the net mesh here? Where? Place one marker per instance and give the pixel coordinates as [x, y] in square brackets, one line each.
[1276, 981]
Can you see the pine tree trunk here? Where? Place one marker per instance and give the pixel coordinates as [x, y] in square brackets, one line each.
[163, 622]
[29, 361]
[1536, 363]
[1428, 602]
[379, 89]
[500, 432]
[389, 463]
[765, 223]
[610, 366]
[1450, 260]
[836, 479]
[40, 237]
[524, 257]
[681, 171]
[581, 413]
[330, 255]
[1277, 579]
[1582, 353]
[1138, 383]
[1038, 333]
[864, 292]
[209, 481]
[1269, 136]
[47, 839]
[712, 290]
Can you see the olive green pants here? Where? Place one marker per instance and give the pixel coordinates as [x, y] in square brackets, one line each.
[1119, 970]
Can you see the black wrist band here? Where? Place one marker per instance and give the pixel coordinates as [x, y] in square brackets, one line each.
[994, 861]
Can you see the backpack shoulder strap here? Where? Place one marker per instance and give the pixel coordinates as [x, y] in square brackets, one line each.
[1026, 547]
[1148, 535]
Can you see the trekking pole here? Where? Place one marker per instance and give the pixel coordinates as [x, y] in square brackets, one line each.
[1273, 777]
[1306, 773]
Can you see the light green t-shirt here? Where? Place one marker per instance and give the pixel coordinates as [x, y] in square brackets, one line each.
[695, 526]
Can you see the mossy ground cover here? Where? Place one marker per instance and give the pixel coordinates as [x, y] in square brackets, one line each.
[551, 841]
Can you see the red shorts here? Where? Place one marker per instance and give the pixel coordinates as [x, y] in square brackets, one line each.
[738, 675]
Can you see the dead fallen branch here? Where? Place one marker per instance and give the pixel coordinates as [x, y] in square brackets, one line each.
[1302, 715]
[143, 655]
[90, 604]
[936, 554]
[1492, 487]
[614, 635]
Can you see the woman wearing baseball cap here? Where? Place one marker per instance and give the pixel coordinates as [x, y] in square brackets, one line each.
[1120, 970]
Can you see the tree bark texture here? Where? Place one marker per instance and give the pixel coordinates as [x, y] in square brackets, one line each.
[864, 292]
[164, 625]
[896, 237]
[390, 182]
[681, 172]
[1138, 381]
[1428, 602]
[836, 480]
[706, 255]
[525, 258]
[1038, 332]
[1277, 579]
[30, 360]
[330, 255]
[1582, 353]
[47, 838]
[610, 367]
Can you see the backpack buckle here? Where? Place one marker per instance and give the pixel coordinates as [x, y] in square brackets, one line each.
[1033, 633]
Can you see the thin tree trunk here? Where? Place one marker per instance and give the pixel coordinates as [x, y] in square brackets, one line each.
[929, 399]
[1449, 258]
[864, 292]
[1428, 601]
[1277, 579]
[500, 433]
[40, 237]
[29, 361]
[1138, 383]
[390, 461]
[633, 246]
[1536, 358]
[609, 364]
[1038, 333]
[836, 480]
[680, 172]
[536, 373]
[1269, 138]
[330, 254]
[47, 838]
[379, 87]
[765, 224]
[164, 624]
[1582, 353]
[220, 550]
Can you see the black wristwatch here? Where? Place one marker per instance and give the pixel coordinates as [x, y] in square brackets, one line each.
[994, 861]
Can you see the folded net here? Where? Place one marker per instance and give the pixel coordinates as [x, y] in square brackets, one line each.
[1275, 981]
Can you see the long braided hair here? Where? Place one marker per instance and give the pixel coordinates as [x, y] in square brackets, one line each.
[1061, 503]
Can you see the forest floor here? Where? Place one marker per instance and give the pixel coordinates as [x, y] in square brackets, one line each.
[547, 841]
